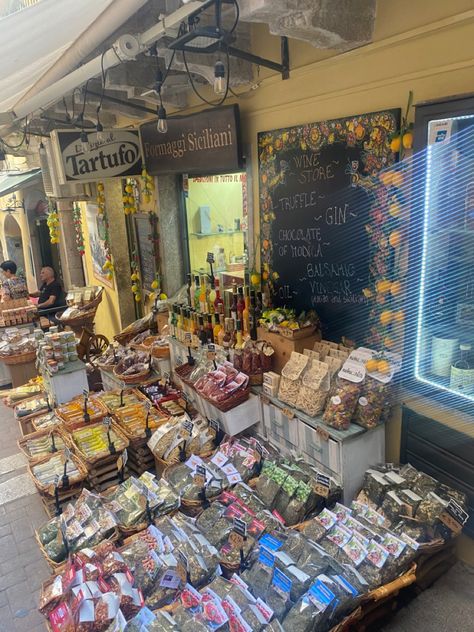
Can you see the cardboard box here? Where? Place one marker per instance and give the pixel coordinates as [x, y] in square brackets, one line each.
[284, 346]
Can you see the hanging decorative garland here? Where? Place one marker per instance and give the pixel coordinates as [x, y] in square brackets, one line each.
[53, 222]
[148, 186]
[130, 196]
[108, 266]
[100, 198]
[76, 214]
[135, 277]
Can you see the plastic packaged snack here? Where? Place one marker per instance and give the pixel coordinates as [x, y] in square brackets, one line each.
[430, 509]
[314, 389]
[341, 404]
[374, 398]
[291, 378]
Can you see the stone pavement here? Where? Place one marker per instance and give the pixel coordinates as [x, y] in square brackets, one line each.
[22, 566]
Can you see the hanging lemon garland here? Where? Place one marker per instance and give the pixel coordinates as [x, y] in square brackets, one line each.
[53, 223]
[130, 196]
[135, 278]
[148, 186]
[100, 198]
[402, 140]
[76, 214]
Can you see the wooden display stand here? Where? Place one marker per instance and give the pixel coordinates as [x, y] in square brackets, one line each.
[284, 346]
[68, 383]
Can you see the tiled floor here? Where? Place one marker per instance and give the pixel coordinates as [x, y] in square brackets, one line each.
[22, 566]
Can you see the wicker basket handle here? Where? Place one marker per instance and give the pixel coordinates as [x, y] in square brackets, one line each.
[397, 584]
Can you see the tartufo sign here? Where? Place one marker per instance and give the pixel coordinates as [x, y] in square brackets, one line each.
[205, 142]
[117, 154]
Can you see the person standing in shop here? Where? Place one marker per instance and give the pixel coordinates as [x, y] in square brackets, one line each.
[50, 296]
[12, 286]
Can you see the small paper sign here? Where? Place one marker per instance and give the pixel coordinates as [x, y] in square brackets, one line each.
[188, 338]
[288, 413]
[238, 534]
[107, 421]
[200, 476]
[322, 486]
[211, 351]
[264, 399]
[454, 517]
[188, 426]
[210, 257]
[324, 434]
[148, 406]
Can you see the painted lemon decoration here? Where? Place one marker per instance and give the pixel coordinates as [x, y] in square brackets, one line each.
[386, 317]
[383, 366]
[395, 238]
[371, 365]
[395, 144]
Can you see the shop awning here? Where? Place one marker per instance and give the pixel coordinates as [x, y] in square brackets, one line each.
[11, 182]
[33, 39]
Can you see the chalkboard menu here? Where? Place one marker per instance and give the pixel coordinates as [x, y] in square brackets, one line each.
[146, 250]
[316, 209]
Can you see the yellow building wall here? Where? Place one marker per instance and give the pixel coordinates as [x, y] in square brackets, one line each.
[22, 221]
[107, 320]
[225, 201]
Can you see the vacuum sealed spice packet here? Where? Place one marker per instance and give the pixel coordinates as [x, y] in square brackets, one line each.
[291, 378]
[344, 395]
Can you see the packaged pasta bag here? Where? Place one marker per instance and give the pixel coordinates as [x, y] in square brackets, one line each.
[314, 389]
[344, 395]
[291, 378]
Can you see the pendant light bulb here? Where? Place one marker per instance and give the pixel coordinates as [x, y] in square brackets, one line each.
[100, 132]
[42, 150]
[162, 125]
[84, 142]
[220, 84]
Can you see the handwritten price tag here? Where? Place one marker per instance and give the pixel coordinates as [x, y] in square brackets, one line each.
[264, 399]
[450, 522]
[324, 434]
[288, 413]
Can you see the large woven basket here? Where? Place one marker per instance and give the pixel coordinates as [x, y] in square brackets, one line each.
[96, 458]
[39, 434]
[73, 480]
[231, 402]
[20, 358]
[71, 425]
[132, 379]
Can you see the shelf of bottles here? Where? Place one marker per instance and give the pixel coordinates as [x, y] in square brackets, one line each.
[445, 319]
[208, 318]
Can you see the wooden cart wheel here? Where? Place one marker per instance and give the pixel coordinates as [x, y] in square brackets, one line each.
[96, 346]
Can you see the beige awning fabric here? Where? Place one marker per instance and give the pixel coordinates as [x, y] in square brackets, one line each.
[33, 39]
[11, 182]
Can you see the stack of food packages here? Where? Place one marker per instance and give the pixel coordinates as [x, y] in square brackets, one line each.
[337, 383]
[264, 551]
[13, 396]
[15, 342]
[56, 350]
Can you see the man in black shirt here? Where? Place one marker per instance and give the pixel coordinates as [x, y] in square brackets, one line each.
[51, 295]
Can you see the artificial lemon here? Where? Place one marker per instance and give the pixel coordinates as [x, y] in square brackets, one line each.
[395, 238]
[265, 244]
[395, 144]
[396, 289]
[138, 298]
[134, 277]
[163, 296]
[100, 187]
[386, 178]
[154, 285]
[394, 209]
[135, 288]
[383, 366]
[129, 188]
[399, 316]
[367, 292]
[275, 276]
[407, 140]
[255, 279]
[265, 275]
[371, 365]
[383, 286]
[386, 317]
[388, 342]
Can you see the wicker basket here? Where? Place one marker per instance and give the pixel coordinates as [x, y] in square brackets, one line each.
[72, 425]
[20, 358]
[45, 489]
[92, 460]
[58, 567]
[22, 443]
[132, 379]
[147, 347]
[238, 398]
[21, 418]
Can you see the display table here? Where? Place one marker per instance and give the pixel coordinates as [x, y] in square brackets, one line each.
[344, 454]
[66, 384]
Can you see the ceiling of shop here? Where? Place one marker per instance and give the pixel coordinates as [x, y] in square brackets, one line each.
[337, 25]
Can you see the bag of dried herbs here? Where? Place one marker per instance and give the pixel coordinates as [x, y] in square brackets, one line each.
[297, 507]
[375, 486]
[278, 595]
[270, 482]
[430, 509]
[312, 611]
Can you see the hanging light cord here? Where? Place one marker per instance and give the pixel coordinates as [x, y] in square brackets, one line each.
[104, 77]
[196, 91]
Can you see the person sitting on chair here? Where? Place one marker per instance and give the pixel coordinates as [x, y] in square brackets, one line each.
[51, 295]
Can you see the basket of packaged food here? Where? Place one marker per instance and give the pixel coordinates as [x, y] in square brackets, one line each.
[41, 443]
[97, 442]
[14, 396]
[88, 523]
[133, 368]
[156, 346]
[137, 502]
[31, 407]
[224, 387]
[19, 358]
[177, 439]
[120, 398]
[73, 413]
[46, 420]
[138, 418]
[137, 327]
[58, 469]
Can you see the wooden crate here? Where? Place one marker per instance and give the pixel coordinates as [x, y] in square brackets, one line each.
[284, 346]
